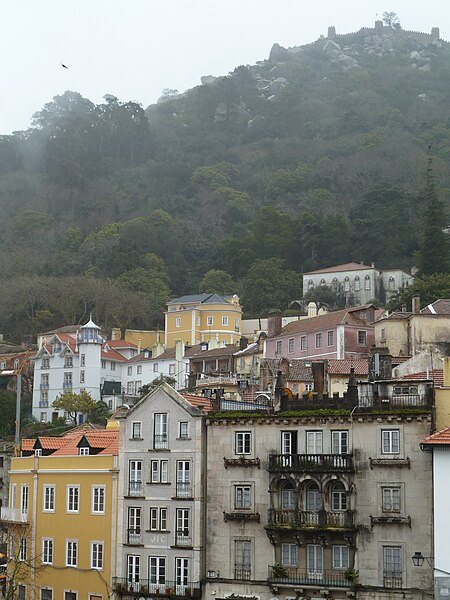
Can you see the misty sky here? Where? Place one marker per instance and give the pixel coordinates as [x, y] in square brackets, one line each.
[135, 48]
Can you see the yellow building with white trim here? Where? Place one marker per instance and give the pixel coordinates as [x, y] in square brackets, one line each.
[203, 318]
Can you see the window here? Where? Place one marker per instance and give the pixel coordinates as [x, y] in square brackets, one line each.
[133, 568]
[68, 362]
[339, 497]
[242, 497]
[135, 478]
[341, 557]
[390, 441]
[136, 430]
[313, 499]
[310, 284]
[160, 431]
[177, 321]
[155, 367]
[83, 360]
[392, 566]
[70, 595]
[47, 551]
[335, 285]
[367, 282]
[96, 555]
[209, 321]
[82, 376]
[291, 344]
[391, 499]
[323, 282]
[236, 325]
[330, 338]
[24, 495]
[391, 284]
[129, 370]
[73, 498]
[279, 349]
[22, 592]
[38, 452]
[84, 451]
[139, 370]
[45, 364]
[289, 555]
[130, 388]
[158, 519]
[43, 418]
[183, 430]
[23, 549]
[303, 342]
[357, 284]
[339, 442]
[103, 364]
[98, 499]
[71, 553]
[314, 442]
[318, 340]
[362, 338]
[346, 284]
[46, 594]
[314, 560]
[182, 527]
[134, 525]
[242, 559]
[243, 442]
[181, 572]
[157, 569]
[183, 479]
[287, 496]
[225, 321]
[67, 383]
[44, 381]
[172, 369]
[43, 401]
[159, 471]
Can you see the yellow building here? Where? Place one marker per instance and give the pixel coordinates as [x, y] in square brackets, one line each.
[61, 521]
[202, 318]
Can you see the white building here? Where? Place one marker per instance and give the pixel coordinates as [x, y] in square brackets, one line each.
[76, 361]
[358, 283]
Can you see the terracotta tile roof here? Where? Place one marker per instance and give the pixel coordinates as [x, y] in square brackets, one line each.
[215, 352]
[394, 316]
[331, 319]
[398, 360]
[68, 444]
[120, 344]
[28, 444]
[440, 438]
[100, 439]
[168, 354]
[343, 366]
[112, 354]
[439, 307]
[299, 370]
[198, 402]
[351, 266]
[436, 375]
[52, 443]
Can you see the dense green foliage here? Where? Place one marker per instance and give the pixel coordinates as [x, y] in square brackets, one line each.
[307, 159]
[429, 289]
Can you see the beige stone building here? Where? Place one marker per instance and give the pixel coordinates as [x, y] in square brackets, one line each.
[309, 505]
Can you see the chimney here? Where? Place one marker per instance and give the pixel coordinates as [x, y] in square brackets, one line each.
[446, 361]
[179, 351]
[318, 372]
[243, 343]
[274, 324]
[380, 364]
[352, 388]
[372, 265]
[139, 346]
[415, 304]
[312, 309]
[157, 349]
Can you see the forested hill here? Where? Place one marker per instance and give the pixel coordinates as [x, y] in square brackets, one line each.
[314, 156]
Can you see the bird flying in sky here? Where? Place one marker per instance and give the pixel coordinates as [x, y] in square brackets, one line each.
[63, 65]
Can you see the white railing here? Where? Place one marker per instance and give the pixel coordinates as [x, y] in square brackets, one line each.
[14, 515]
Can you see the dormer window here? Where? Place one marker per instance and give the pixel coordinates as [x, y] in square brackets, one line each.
[84, 451]
[38, 452]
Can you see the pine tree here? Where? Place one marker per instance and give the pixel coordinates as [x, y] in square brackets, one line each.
[434, 249]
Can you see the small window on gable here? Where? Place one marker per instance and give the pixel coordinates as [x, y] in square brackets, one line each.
[84, 451]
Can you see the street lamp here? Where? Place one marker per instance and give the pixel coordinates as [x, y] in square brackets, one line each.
[418, 559]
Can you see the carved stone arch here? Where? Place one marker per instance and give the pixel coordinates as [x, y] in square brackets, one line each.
[277, 482]
[331, 479]
[305, 478]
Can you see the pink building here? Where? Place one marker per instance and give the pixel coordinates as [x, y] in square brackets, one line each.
[339, 334]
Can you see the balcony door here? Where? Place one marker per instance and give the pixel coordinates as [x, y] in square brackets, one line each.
[183, 479]
[288, 447]
[133, 568]
[314, 442]
[181, 575]
[313, 504]
[314, 561]
[134, 525]
[160, 436]
[157, 574]
[135, 481]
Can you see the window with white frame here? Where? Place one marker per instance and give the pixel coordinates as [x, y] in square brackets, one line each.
[346, 284]
[43, 401]
[367, 282]
[24, 496]
[243, 442]
[84, 451]
[338, 497]
[392, 566]
[362, 337]
[182, 530]
[73, 498]
[303, 342]
[330, 338]
[67, 383]
[391, 284]
[291, 345]
[113, 366]
[390, 441]
[314, 442]
[159, 471]
[139, 369]
[155, 367]
[46, 594]
[172, 368]
[96, 555]
[157, 570]
[71, 553]
[314, 560]
[357, 284]
[209, 321]
[309, 387]
[289, 555]
[340, 557]
[136, 430]
[82, 360]
[242, 559]
[224, 321]
[160, 435]
[43, 418]
[158, 518]
[47, 551]
[82, 376]
[49, 498]
[98, 499]
[177, 321]
[183, 431]
[103, 364]
[391, 498]
[68, 362]
[339, 442]
[242, 497]
[23, 549]
[129, 370]
[38, 452]
[318, 340]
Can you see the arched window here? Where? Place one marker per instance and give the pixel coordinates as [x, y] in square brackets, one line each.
[338, 497]
[313, 497]
[367, 284]
[346, 284]
[287, 497]
[391, 284]
[323, 282]
[335, 284]
[357, 284]
[310, 284]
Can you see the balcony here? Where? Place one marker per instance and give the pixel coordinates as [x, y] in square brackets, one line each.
[149, 587]
[14, 515]
[43, 386]
[310, 519]
[160, 441]
[392, 581]
[183, 489]
[67, 385]
[317, 463]
[286, 576]
[218, 379]
[183, 539]
[241, 572]
[135, 489]
[43, 403]
[134, 537]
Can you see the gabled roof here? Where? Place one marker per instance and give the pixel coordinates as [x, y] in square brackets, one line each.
[112, 354]
[342, 366]
[351, 266]
[435, 375]
[201, 299]
[251, 349]
[438, 307]
[199, 402]
[228, 350]
[120, 344]
[172, 393]
[168, 354]
[299, 370]
[440, 438]
[68, 445]
[327, 320]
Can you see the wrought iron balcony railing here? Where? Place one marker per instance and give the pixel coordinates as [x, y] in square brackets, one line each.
[241, 572]
[156, 586]
[160, 441]
[182, 538]
[392, 580]
[134, 536]
[135, 488]
[323, 463]
[286, 517]
[322, 578]
[183, 489]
